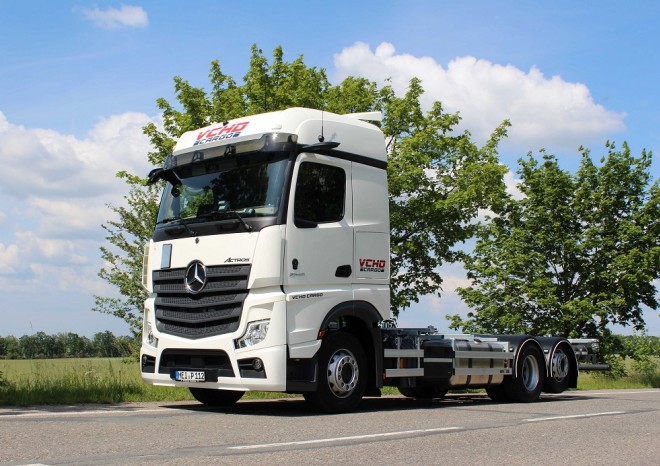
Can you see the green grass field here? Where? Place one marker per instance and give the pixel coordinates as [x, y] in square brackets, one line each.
[87, 380]
[72, 381]
[68, 381]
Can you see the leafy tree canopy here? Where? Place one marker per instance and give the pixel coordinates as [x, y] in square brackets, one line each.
[577, 253]
[438, 177]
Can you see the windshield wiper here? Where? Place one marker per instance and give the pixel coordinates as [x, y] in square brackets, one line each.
[181, 222]
[225, 213]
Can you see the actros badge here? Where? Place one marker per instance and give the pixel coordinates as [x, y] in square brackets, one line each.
[195, 277]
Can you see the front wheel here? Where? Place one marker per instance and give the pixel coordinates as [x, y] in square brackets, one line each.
[211, 397]
[530, 375]
[342, 374]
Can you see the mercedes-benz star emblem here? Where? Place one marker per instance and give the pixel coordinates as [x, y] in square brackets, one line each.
[195, 277]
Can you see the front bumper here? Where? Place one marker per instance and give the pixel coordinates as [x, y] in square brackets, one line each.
[259, 367]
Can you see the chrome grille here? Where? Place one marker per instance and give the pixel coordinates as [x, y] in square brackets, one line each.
[215, 310]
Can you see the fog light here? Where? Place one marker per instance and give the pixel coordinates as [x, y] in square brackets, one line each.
[258, 365]
[148, 364]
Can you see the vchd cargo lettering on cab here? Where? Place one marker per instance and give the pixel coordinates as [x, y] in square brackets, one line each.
[221, 132]
[372, 265]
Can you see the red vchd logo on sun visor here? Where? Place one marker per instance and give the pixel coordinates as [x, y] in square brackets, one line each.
[221, 132]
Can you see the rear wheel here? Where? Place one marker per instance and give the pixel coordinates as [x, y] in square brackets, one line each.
[560, 372]
[211, 397]
[343, 374]
[530, 374]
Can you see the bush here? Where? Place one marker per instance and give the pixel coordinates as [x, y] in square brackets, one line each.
[643, 350]
[4, 384]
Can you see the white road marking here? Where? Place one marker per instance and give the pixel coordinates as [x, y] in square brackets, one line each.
[343, 439]
[574, 416]
[84, 413]
[622, 392]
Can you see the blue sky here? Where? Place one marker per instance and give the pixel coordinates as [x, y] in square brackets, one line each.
[79, 79]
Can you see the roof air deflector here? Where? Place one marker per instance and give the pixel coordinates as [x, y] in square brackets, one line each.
[366, 116]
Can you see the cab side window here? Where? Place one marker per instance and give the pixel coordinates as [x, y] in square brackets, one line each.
[320, 194]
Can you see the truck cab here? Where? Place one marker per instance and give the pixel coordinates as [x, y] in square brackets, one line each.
[272, 231]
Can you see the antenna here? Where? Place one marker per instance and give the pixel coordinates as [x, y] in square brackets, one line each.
[321, 138]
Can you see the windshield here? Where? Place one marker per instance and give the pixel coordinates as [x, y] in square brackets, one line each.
[249, 188]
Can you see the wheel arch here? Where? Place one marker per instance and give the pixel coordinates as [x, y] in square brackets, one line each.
[528, 342]
[550, 346]
[361, 319]
[517, 343]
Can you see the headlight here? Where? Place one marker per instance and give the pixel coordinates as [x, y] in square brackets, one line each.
[255, 333]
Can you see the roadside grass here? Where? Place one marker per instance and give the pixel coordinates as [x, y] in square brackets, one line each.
[106, 380]
[69, 381]
[85, 380]
[638, 374]
[602, 381]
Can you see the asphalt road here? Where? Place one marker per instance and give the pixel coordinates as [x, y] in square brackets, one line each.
[605, 428]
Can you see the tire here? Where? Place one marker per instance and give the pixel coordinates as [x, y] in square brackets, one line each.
[211, 397]
[560, 372]
[423, 392]
[342, 374]
[527, 386]
[496, 393]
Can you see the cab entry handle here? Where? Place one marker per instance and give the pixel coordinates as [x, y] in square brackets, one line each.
[343, 271]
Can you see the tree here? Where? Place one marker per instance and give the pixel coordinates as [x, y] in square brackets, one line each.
[438, 178]
[37, 346]
[10, 347]
[65, 345]
[577, 253]
[123, 258]
[73, 345]
[105, 345]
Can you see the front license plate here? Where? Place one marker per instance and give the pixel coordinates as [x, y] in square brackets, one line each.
[189, 376]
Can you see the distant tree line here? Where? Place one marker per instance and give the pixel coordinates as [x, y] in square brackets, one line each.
[66, 345]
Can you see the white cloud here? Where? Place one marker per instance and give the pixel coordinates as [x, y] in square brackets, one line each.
[513, 185]
[34, 247]
[47, 164]
[82, 280]
[9, 258]
[113, 18]
[62, 217]
[544, 112]
[453, 276]
[432, 310]
[54, 194]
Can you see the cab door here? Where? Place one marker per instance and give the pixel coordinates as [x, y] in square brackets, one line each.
[319, 243]
[319, 233]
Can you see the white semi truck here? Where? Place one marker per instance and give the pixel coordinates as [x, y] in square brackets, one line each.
[269, 270]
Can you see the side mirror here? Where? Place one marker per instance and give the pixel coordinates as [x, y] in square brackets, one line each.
[166, 174]
[155, 175]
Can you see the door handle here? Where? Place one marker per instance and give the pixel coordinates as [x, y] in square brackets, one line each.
[343, 271]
